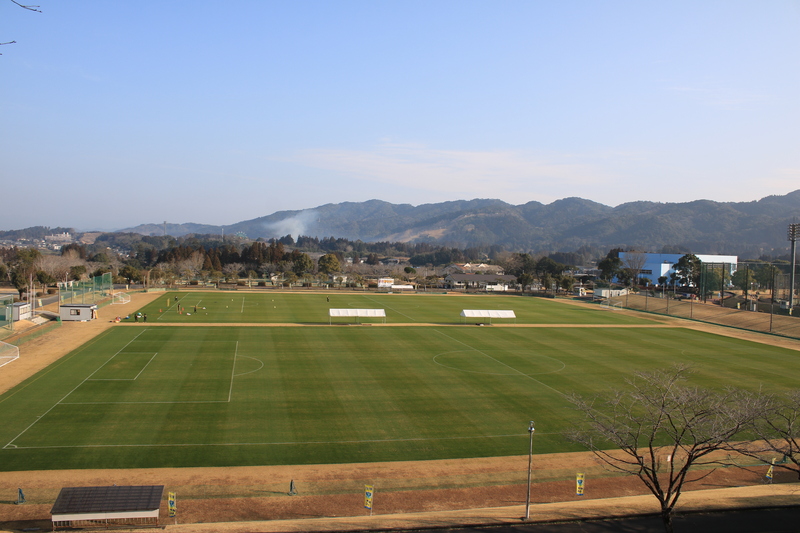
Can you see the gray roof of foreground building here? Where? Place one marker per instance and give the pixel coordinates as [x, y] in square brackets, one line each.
[114, 499]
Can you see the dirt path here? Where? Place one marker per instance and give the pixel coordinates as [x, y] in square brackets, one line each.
[242, 498]
[483, 490]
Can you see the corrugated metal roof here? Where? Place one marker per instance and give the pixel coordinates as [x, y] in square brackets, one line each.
[73, 500]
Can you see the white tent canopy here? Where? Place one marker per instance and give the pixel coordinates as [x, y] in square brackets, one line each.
[357, 313]
[488, 313]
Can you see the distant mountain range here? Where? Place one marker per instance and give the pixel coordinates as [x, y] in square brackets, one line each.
[702, 226]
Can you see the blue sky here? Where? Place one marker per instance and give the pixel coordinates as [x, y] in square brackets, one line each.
[127, 112]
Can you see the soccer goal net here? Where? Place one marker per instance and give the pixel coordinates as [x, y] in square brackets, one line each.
[8, 353]
[612, 305]
[121, 298]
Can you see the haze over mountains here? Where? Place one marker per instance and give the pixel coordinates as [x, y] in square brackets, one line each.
[564, 225]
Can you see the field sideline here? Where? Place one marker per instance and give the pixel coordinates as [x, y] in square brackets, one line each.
[141, 396]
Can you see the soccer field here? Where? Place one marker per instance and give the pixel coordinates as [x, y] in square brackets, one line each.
[282, 308]
[152, 395]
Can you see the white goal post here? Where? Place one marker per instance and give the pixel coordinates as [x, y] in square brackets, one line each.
[611, 305]
[121, 298]
[8, 353]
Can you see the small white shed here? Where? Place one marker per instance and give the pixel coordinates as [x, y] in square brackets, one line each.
[78, 312]
[22, 311]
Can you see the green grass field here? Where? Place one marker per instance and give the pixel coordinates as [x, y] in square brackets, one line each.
[281, 308]
[161, 395]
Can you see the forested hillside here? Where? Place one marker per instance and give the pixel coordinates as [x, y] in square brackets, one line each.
[744, 228]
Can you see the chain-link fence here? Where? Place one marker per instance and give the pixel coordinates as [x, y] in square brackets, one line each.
[752, 296]
[89, 291]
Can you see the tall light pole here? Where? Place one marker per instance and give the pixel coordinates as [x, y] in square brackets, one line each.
[793, 233]
[531, 429]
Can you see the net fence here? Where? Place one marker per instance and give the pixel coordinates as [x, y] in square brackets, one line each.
[6, 313]
[752, 296]
[89, 291]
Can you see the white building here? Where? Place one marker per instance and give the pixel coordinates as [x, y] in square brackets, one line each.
[22, 311]
[58, 238]
[657, 265]
[77, 312]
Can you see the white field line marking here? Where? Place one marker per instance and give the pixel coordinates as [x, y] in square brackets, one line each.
[392, 308]
[563, 365]
[54, 367]
[127, 379]
[176, 402]
[145, 366]
[287, 443]
[256, 370]
[504, 364]
[185, 341]
[198, 303]
[10, 443]
[163, 402]
[171, 304]
[233, 370]
[139, 403]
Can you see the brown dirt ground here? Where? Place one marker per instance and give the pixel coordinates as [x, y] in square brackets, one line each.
[235, 499]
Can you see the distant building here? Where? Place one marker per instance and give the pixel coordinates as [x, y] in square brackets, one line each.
[473, 268]
[58, 238]
[487, 282]
[658, 265]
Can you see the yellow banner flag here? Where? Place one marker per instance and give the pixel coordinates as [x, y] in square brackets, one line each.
[580, 482]
[368, 493]
[173, 508]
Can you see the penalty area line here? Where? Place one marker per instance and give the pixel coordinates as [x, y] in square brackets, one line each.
[87, 378]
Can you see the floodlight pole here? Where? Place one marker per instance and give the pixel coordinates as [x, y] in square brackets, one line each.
[793, 233]
[531, 429]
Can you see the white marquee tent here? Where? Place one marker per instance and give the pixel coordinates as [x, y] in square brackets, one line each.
[357, 313]
[488, 313]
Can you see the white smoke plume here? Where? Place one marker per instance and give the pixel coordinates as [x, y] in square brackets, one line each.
[300, 224]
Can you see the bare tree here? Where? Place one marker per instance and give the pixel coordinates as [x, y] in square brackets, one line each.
[60, 266]
[778, 432]
[659, 429]
[634, 263]
[23, 6]
[191, 266]
[233, 270]
[28, 7]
